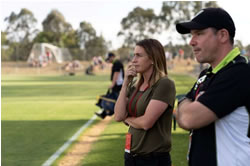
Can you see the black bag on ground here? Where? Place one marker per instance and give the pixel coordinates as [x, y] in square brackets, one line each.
[107, 101]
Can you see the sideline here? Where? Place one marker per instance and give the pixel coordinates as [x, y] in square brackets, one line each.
[77, 153]
[69, 142]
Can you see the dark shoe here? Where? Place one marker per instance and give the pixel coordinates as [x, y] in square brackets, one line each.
[101, 115]
[99, 103]
[109, 113]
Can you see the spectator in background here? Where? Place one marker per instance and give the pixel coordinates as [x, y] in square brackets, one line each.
[117, 75]
[181, 53]
[100, 62]
[49, 57]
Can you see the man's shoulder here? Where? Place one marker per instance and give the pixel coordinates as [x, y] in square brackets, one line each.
[237, 72]
[117, 62]
[117, 66]
[239, 65]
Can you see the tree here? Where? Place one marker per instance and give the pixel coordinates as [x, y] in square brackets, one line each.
[144, 23]
[6, 50]
[55, 22]
[46, 37]
[139, 24]
[57, 31]
[90, 44]
[239, 44]
[95, 47]
[70, 40]
[173, 12]
[21, 26]
[85, 33]
[248, 48]
[4, 40]
[20, 31]
[125, 53]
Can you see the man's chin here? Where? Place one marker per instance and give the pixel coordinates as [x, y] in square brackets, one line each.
[199, 60]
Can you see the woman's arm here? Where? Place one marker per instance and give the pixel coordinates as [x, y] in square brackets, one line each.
[121, 103]
[153, 111]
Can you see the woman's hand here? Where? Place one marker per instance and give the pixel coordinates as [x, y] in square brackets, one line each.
[130, 73]
[122, 101]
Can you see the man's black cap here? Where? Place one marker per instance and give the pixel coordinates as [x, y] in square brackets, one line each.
[209, 17]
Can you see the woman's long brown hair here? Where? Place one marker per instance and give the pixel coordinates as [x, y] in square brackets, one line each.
[156, 53]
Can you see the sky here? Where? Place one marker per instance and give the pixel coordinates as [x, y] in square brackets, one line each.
[106, 15]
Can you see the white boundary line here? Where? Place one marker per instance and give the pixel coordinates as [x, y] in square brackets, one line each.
[66, 144]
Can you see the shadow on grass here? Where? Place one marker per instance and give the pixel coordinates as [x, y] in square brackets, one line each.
[30, 143]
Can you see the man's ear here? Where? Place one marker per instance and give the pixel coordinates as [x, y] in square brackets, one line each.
[224, 35]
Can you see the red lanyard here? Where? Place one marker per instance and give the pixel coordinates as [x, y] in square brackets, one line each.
[130, 103]
[197, 91]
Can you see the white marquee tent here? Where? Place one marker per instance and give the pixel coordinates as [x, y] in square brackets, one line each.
[48, 52]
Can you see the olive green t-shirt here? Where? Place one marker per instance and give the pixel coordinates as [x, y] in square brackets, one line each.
[158, 138]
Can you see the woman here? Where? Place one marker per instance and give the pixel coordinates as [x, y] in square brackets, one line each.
[146, 106]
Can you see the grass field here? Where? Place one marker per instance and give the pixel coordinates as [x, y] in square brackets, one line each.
[40, 113]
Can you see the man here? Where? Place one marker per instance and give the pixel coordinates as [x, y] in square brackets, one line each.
[117, 75]
[217, 108]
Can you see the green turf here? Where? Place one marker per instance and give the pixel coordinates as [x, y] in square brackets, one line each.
[40, 113]
[109, 149]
